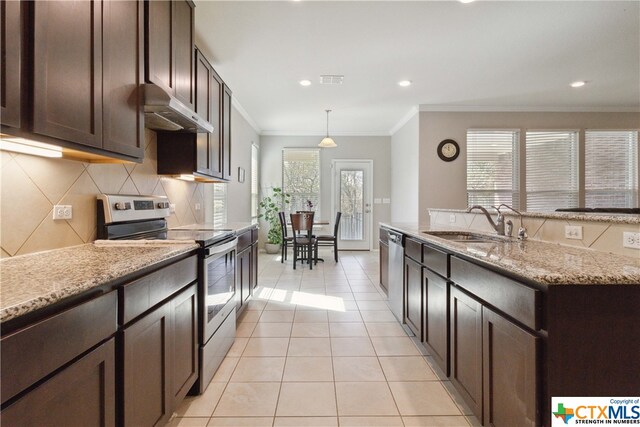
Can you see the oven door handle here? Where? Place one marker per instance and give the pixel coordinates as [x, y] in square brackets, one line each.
[220, 249]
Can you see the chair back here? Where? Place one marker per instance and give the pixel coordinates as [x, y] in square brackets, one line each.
[302, 222]
[337, 224]
[283, 223]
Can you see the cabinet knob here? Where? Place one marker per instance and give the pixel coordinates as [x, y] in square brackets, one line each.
[122, 206]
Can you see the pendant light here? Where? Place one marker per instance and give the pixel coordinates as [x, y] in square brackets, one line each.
[327, 142]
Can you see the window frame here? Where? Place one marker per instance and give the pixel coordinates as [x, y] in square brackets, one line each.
[255, 196]
[316, 208]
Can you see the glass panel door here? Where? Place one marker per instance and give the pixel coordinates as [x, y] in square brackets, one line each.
[351, 204]
[352, 193]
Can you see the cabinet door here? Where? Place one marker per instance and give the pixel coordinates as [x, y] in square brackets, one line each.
[384, 267]
[215, 137]
[11, 64]
[509, 370]
[254, 267]
[413, 296]
[466, 348]
[146, 370]
[184, 343]
[436, 318]
[67, 65]
[226, 133]
[123, 126]
[82, 394]
[244, 273]
[159, 52]
[183, 51]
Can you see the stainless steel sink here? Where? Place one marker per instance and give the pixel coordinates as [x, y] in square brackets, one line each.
[466, 237]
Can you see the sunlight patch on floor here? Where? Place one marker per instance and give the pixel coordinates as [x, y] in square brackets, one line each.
[325, 302]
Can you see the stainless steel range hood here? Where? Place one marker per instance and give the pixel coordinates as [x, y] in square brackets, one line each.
[164, 112]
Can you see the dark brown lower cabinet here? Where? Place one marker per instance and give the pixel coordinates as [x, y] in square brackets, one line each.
[243, 264]
[413, 296]
[510, 373]
[81, 394]
[384, 266]
[436, 314]
[146, 396]
[466, 348]
[254, 264]
[160, 360]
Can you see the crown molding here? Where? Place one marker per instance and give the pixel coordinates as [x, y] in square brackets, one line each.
[318, 134]
[245, 114]
[522, 108]
[404, 120]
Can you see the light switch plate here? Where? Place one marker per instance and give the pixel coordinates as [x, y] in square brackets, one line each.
[386, 201]
[377, 200]
[631, 240]
[452, 217]
[62, 212]
[573, 232]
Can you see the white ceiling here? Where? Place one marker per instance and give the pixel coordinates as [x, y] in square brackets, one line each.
[499, 55]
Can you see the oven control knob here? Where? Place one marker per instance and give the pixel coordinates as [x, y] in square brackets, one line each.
[122, 206]
[163, 205]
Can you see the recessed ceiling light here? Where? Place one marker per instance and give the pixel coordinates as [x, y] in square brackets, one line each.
[405, 83]
[466, 1]
[305, 82]
[579, 83]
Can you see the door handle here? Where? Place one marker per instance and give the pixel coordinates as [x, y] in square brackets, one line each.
[367, 211]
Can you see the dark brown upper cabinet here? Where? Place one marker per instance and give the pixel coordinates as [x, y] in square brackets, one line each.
[11, 22]
[81, 90]
[206, 156]
[169, 45]
[226, 133]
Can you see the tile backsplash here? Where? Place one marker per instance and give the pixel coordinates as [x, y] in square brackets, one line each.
[31, 185]
[597, 235]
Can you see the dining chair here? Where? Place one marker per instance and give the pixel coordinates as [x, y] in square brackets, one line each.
[303, 240]
[330, 240]
[286, 240]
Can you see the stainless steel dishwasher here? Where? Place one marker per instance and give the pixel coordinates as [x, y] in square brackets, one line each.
[396, 275]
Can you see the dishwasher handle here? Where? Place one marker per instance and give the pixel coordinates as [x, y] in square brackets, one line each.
[395, 238]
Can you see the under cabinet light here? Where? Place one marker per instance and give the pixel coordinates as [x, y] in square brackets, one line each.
[186, 177]
[25, 146]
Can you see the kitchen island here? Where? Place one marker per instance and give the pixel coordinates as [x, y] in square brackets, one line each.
[515, 323]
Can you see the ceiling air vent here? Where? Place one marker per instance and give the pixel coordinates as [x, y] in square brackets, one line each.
[331, 79]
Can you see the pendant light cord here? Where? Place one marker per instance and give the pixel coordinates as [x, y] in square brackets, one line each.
[328, 111]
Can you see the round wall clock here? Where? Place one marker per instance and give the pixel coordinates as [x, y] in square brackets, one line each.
[448, 150]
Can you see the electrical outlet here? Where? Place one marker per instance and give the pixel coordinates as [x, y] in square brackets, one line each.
[172, 208]
[631, 240]
[62, 212]
[573, 232]
[452, 218]
[197, 206]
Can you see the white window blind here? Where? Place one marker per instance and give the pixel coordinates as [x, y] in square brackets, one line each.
[611, 169]
[552, 170]
[492, 167]
[301, 178]
[254, 181]
[219, 204]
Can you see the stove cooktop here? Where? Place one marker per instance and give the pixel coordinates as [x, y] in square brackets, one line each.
[202, 237]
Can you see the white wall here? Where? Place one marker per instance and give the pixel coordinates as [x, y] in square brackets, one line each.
[376, 148]
[444, 184]
[405, 172]
[239, 194]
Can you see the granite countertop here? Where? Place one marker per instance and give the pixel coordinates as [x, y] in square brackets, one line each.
[33, 281]
[540, 262]
[237, 227]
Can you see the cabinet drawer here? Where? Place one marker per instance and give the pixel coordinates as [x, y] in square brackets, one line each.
[244, 240]
[413, 249]
[142, 294]
[54, 341]
[512, 298]
[435, 260]
[384, 235]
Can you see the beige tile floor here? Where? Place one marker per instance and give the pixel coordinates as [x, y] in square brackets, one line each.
[321, 348]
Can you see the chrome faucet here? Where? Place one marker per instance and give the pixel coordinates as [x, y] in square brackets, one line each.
[522, 232]
[498, 225]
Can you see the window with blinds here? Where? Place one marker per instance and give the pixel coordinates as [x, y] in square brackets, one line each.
[254, 182]
[551, 170]
[611, 169]
[301, 178]
[219, 204]
[492, 167]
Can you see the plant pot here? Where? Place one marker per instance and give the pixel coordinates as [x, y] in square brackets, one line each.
[272, 248]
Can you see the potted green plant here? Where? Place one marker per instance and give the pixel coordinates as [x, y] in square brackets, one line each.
[270, 206]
